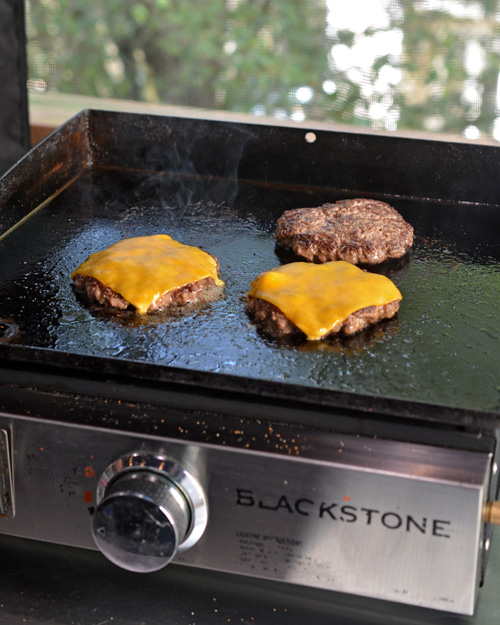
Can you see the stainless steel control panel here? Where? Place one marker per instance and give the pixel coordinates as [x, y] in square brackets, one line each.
[384, 519]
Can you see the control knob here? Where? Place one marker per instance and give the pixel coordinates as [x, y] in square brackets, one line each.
[149, 509]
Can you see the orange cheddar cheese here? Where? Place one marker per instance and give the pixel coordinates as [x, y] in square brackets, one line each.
[318, 297]
[143, 269]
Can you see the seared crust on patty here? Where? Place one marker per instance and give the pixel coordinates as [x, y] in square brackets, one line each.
[96, 291]
[360, 231]
[272, 321]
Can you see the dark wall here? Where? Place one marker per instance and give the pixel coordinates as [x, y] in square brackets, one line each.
[14, 124]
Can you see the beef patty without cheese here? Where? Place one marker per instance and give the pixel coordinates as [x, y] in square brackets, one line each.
[147, 273]
[360, 231]
[320, 300]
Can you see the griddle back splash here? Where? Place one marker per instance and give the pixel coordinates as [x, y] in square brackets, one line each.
[104, 177]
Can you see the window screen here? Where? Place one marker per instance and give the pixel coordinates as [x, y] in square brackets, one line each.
[429, 65]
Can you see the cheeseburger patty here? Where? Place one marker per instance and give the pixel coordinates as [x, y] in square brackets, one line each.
[319, 300]
[276, 324]
[360, 231]
[95, 291]
[147, 274]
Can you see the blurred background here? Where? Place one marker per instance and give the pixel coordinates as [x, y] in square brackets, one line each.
[382, 65]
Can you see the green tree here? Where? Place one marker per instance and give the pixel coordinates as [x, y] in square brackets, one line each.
[444, 76]
[230, 54]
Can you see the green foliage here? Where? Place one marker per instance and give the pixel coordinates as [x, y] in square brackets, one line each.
[255, 56]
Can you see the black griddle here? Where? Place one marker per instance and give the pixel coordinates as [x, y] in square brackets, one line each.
[221, 186]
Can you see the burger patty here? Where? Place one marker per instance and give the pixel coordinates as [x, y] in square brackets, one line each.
[275, 323]
[96, 291]
[359, 231]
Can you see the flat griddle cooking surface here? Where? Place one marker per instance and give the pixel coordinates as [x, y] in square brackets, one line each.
[443, 347]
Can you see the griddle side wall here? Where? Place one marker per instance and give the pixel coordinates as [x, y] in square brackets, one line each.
[44, 171]
[371, 164]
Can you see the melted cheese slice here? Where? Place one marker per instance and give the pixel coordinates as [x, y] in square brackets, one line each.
[318, 297]
[142, 269]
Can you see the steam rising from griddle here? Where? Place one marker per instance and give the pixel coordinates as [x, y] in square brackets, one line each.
[178, 179]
